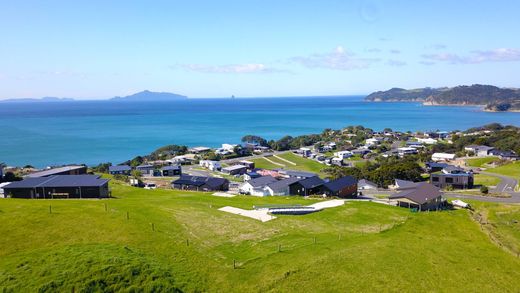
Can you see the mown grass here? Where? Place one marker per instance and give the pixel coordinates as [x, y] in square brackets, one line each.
[510, 169]
[361, 246]
[480, 162]
[483, 179]
[302, 164]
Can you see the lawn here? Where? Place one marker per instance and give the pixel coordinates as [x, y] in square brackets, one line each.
[480, 162]
[179, 240]
[302, 164]
[482, 179]
[510, 169]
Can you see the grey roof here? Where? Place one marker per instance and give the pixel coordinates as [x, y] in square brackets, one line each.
[284, 183]
[213, 182]
[54, 171]
[436, 165]
[234, 167]
[421, 194]
[59, 181]
[340, 183]
[405, 184]
[119, 168]
[144, 166]
[310, 182]
[450, 169]
[262, 181]
[366, 182]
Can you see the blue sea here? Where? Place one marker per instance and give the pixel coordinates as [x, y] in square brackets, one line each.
[53, 133]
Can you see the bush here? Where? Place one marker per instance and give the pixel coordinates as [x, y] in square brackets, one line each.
[484, 189]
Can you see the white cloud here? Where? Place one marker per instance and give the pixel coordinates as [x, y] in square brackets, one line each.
[476, 57]
[231, 68]
[338, 59]
[392, 62]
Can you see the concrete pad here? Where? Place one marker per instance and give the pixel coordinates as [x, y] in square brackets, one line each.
[328, 204]
[224, 194]
[260, 215]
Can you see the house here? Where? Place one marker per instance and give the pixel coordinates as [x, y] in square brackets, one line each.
[234, 170]
[405, 151]
[229, 147]
[360, 151]
[146, 169]
[2, 185]
[250, 165]
[304, 152]
[403, 184]
[210, 165]
[119, 170]
[306, 187]
[479, 150]
[414, 144]
[428, 140]
[281, 187]
[364, 184]
[201, 183]
[504, 155]
[173, 170]
[452, 176]
[372, 141]
[257, 186]
[59, 186]
[337, 161]
[423, 197]
[436, 157]
[343, 154]
[435, 166]
[251, 175]
[296, 174]
[345, 187]
[65, 170]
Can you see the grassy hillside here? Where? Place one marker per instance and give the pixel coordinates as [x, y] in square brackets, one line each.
[302, 164]
[482, 179]
[511, 169]
[480, 162]
[359, 247]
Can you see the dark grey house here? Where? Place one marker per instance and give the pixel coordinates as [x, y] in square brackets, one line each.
[173, 170]
[345, 187]
[423, 197]
[452, 176]
[146, 169]
[59, 186]
[235, 170]
[199, 183]
[306, 187]
[120, 170]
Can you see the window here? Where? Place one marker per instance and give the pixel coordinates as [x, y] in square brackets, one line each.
[449, 180]
[435, 179]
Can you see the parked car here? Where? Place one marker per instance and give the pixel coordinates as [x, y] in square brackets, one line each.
[150, 186]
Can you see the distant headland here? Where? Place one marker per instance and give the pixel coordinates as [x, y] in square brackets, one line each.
[144, 96]
[491, 97]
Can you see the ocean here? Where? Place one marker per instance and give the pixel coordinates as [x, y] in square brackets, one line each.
[54, 133]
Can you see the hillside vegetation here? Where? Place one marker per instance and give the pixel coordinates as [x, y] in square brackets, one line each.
[91, 245]
[494, 98]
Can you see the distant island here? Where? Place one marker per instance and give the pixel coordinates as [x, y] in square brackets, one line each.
[147, 96]
[44, 99]
[491, 97]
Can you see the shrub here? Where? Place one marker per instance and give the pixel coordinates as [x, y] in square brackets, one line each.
[484, 189]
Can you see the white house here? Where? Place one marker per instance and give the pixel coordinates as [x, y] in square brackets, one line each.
[280, 187]
[406, 151]
[210, 165]
[436, 157]
[343, 154]
[427, 140]
[372, 141]
[229, 147]
[364, 184]
[256, 187]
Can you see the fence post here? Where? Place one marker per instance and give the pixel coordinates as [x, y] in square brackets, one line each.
[279, 247]
[234, 264]
[153, 227]
[106, 207]
[127, 215]
[314, 240]
[50, 209]
[187, 242]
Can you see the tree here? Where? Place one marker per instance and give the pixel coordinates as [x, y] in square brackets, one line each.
[255, 139]
[10, 177]
[137, 174]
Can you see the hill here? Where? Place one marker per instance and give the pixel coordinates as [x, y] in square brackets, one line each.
[44, 99]
[494, 98]
[85, 246]
[147, 96]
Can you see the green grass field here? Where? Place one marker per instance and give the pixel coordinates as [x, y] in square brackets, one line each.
[302, 164]
[482, 179]
[511, 169]
[361, 246]
[480, 162]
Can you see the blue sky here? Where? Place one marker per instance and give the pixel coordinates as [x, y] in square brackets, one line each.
[100, 49]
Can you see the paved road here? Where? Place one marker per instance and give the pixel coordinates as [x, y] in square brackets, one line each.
[507, 184]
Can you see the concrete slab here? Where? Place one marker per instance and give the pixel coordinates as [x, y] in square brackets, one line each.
[260, 215]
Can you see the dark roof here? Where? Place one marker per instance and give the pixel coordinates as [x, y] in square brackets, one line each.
[173, 167]
[283, 183]
[422, 193]
[144, 166]
[310, 182]
[235, 167]
[262, 181]
[60, 181]
[436, 165]
[200, 180]
[366, 182]
[119, 168]
[340, 183]
[450, 169]
[54, 171]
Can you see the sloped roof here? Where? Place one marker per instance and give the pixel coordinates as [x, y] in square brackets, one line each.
[311, 182]
[366, 182]
[405, 184]
[200, 180]
[421, 194]
[340, 183]
[59, 181]
[119, 168]
[284, 183]
[173, 167]
[294, 173]
[262, 181]
[54, 171]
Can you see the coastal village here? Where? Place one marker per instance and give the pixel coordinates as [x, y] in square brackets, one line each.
[255, 169]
